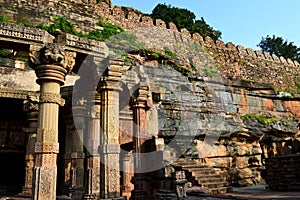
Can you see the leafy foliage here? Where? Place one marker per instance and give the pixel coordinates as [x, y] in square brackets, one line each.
[279, 47]
[4, 19]
[4, 53]
[205, 30]
[109, 29]
[62, 24]
[66, 26]
[184, 18]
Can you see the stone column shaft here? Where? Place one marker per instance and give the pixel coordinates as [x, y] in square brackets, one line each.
[92, 176]
[31, 139]
[46, 147]
[110, 147]
[77, 155]
[109, 138]
[140, 104]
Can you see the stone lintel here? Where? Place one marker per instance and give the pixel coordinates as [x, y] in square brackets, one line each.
[24, 35]
[83, 45]
[16, 94]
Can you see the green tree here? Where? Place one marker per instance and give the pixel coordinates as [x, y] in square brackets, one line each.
[205, 30]
[280, 47]
[184, 18]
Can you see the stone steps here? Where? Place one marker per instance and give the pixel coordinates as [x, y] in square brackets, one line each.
[209, 180]
[203, 176]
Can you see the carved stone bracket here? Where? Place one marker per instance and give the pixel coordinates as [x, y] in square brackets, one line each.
[52, 98]
[31, 108]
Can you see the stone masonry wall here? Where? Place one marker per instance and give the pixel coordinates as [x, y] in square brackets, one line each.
[283, 173]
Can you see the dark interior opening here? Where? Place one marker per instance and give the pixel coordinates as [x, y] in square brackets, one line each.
[12, 146]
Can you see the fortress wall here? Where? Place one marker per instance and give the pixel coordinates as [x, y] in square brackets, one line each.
[235, 62]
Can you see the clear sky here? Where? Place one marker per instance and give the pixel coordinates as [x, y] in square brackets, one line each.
[242, 22]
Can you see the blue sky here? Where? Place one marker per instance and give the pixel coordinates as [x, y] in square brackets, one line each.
[240, 21]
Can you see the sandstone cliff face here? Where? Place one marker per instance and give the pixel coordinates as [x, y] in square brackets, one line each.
[204, 114]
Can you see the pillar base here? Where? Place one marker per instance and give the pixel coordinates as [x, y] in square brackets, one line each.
[25, 192]
[117, 198]
[89, 197]
[139, 195]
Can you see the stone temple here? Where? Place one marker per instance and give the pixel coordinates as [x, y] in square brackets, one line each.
[179, 113]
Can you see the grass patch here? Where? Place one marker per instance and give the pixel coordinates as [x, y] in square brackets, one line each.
[287, 120]
[25, 22]
[297, 83]
[261, 119]
[170, 53]
[211, 72]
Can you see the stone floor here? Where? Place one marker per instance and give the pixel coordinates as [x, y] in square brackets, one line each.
[245, 193]
[252, 193]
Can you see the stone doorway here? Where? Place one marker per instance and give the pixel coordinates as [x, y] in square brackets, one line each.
[12, 147]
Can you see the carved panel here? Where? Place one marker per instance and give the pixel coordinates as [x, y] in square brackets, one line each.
[113, 174]
[91, 46]
[52, 98]
[46, 147]
[112, 148]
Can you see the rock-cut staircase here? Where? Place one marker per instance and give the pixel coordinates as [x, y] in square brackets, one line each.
[202, 176]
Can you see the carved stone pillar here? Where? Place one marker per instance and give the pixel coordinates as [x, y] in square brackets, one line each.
[31, 110]
[140, 103]
[109, 138]
[92, 175]
[77, 155]
[51, 64]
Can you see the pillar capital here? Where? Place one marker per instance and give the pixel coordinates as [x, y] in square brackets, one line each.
[111, 79]
[141, 98]
[51, 62]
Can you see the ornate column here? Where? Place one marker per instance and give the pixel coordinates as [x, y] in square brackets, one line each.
[51, 64]
[140, 103]
[77, 155]
[92, 175]
[31, 109]
[109, 137]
